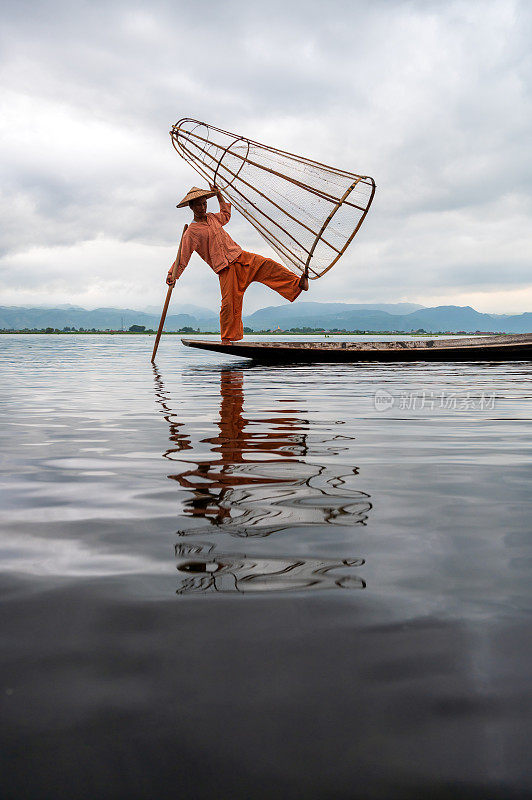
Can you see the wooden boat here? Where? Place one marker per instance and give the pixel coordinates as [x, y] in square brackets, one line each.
[514, 347]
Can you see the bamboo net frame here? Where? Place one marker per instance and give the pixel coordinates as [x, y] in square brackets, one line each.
[308, 212]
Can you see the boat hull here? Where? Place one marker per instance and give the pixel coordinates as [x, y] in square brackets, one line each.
[516, 347]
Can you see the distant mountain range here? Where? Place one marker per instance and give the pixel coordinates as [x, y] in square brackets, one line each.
[99, 318]
[381, 318]
[393, 317]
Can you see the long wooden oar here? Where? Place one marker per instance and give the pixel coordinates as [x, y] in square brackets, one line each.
[168, 296]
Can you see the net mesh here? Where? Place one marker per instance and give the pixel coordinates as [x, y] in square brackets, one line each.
[308, 212]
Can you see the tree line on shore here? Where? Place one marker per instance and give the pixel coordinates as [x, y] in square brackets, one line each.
[142, 330]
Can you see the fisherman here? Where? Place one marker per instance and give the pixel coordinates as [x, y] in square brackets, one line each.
[235, 267]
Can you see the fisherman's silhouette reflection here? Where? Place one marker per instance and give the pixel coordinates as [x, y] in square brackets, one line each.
[259, 477]
[262, 476]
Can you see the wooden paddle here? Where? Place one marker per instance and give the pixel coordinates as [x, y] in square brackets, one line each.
[168, 296]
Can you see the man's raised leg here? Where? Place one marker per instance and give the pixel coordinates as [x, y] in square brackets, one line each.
[277, 277]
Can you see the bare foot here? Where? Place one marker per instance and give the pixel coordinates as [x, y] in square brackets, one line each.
[303, 282]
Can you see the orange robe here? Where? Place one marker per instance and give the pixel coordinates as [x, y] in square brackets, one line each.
[236, 268]
[235, 279]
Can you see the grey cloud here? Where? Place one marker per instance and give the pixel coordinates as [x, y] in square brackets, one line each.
[432, 98]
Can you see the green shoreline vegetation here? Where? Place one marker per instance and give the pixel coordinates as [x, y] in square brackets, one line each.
[139, 330]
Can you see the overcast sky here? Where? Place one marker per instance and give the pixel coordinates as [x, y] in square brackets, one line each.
[433, 99]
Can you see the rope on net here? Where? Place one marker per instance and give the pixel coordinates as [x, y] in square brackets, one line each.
[307, 212]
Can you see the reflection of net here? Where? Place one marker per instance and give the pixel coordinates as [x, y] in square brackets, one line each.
[308, 212]
[248, 497]
[202, 569]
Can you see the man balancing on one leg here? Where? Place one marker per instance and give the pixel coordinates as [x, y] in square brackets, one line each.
[235, 267]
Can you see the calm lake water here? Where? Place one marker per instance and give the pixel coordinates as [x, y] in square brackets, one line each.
[236, 581]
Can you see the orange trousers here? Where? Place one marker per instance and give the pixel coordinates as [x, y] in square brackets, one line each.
[235, 279]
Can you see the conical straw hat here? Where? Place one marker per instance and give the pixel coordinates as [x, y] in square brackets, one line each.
[193, 194]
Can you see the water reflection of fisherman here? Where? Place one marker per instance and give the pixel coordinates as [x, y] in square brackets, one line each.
[262, 481]
[212, 572]
[233, 491]
[212, 480]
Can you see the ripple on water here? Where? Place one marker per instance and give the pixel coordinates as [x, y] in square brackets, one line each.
[264, 568]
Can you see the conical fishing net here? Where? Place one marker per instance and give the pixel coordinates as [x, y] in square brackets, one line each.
[308, 212]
